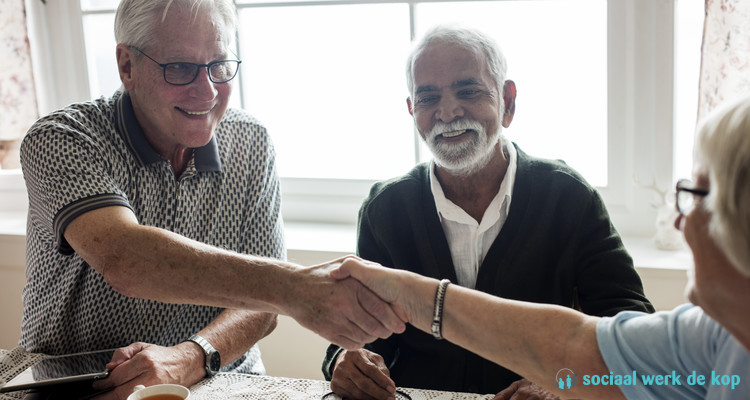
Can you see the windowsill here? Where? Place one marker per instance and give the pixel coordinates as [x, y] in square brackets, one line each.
[310, 236]
[340, 239]
[662, 272]
[13, 223]
[646, 255]
[309, 240]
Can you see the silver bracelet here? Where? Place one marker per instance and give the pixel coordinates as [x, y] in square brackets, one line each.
[437, 311]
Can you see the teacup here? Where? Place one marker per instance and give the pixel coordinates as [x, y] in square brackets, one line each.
[164, 391]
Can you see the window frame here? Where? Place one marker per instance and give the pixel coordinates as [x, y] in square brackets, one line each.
[640, 59]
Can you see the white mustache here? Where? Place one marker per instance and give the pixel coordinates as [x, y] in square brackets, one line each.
[441, 127]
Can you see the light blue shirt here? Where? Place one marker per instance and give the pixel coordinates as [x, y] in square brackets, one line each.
[684, 343]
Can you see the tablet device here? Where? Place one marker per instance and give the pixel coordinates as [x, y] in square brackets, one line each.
[62, 369]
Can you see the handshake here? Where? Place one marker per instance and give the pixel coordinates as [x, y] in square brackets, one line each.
[352, 302]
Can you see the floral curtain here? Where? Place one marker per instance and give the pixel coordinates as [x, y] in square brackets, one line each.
[18, 107]
[725, 62]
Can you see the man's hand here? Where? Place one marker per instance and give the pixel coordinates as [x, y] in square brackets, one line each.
[148, 364]
[342, 311]
[525, 390]
[393, 286]
[362, 375]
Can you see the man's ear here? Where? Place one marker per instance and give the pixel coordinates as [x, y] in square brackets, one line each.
[409, 105]
[509, 97]
[125, 63]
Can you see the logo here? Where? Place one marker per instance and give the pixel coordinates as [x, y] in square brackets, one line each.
[566, 379]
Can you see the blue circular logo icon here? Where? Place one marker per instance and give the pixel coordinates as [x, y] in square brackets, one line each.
[566, 379]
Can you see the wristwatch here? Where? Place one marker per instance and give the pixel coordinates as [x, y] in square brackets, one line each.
[213, 358]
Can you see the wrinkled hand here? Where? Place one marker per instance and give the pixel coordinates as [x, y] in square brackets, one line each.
[149, 364]
[391, 285]
[342, 311]
[362, 375]
[525, 390]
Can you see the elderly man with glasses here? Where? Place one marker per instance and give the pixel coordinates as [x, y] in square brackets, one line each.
[154, 221]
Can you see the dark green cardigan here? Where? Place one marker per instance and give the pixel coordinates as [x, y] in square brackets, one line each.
[557, 246]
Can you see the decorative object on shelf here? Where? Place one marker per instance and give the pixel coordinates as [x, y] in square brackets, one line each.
[666, 237]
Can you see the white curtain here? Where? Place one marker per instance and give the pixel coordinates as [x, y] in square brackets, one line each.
[725, 60]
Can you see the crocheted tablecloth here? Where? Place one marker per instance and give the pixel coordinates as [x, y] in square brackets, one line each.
[232, 386]
[245, 387]
[12, 363]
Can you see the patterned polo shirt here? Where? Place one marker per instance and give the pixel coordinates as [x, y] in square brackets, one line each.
[94, 154]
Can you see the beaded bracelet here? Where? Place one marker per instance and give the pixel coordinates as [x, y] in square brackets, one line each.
[437, 312]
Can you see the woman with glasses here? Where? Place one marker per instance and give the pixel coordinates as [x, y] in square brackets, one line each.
[696, 351]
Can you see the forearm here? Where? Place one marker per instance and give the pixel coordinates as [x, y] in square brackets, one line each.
[233, 332]
[184, 271]
[533, 340]
[152, 263]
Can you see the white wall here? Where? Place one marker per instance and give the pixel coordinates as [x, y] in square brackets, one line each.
[12, 279]
[13, 209]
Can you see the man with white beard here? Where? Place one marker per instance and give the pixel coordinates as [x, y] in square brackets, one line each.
[482, 214]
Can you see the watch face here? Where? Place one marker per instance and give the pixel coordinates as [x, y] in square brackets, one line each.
[214, 361]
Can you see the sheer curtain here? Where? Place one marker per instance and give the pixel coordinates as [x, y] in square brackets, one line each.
[18, 108]
[725, 61]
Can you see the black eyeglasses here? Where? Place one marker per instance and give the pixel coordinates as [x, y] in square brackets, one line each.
[685, 196]
[184, 73]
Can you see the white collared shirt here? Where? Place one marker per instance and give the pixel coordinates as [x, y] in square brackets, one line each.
[468, 239]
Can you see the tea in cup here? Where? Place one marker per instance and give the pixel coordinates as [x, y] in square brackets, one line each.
[165, 391]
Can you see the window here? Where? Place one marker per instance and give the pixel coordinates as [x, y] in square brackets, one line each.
[596, 87]
[330, 87]
[558, 67]
[688, 32]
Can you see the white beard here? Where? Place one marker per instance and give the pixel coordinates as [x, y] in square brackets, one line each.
[467, 157]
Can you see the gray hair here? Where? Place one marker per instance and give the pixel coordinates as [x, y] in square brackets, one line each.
[136, 20]
[723, 151]
[469, 38]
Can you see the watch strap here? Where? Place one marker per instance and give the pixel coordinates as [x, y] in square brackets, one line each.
[213, 362]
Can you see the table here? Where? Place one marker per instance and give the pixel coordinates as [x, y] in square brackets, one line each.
[232, 386]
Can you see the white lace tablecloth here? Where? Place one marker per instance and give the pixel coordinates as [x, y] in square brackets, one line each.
[247, 387]
[231, 386]
[12, 363]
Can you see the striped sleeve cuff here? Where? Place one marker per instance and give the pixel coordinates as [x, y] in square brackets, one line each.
[75, 209]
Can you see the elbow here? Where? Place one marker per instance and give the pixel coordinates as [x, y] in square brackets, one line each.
[273, 322]
[120, 276]
[121, 284]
